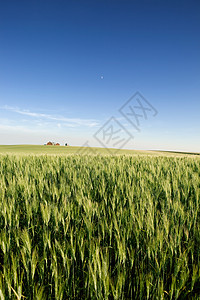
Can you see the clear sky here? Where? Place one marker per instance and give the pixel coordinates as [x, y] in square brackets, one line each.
[67, 67]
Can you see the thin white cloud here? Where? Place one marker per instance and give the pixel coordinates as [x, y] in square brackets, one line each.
[72, 121]
[17, 129]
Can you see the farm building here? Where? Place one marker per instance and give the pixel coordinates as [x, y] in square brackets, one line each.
[57, 144]
[49, 144]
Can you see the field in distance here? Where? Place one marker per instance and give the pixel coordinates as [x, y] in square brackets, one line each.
[63, 150]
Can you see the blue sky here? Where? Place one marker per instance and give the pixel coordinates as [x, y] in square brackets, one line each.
[67, 67]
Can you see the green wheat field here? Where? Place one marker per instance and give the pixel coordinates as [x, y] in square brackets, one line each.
[98, 225]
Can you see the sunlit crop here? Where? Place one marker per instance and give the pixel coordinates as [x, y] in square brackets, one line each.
[99, 227]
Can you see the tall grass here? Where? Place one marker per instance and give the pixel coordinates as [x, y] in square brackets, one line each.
[93, 227]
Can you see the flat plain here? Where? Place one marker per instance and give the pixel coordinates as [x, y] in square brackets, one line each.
[60, 150]
[87, 224]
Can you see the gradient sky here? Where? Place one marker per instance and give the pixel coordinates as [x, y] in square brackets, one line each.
[67, 67]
